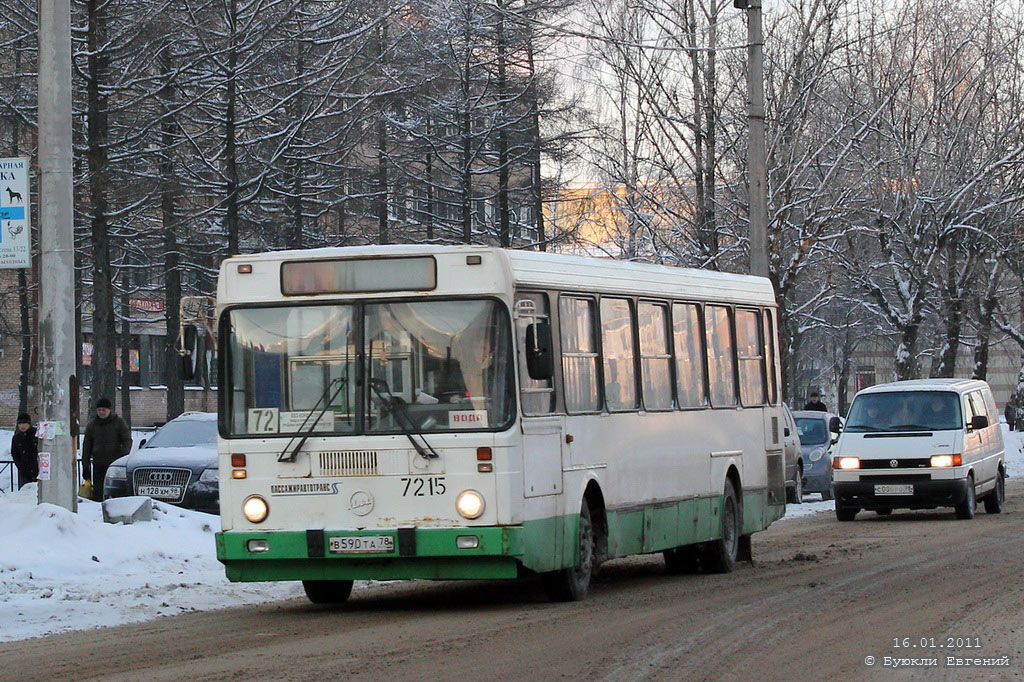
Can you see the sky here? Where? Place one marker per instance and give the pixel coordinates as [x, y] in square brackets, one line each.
[61, 571]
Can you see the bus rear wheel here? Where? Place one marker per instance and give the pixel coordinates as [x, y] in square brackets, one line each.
[327, 591]
[571, 584]
[720, 555]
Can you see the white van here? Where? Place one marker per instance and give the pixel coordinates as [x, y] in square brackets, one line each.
[919, 445]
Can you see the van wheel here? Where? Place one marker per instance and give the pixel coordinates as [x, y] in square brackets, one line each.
[571, 584]
[994, 500]
[846, 513]
[682, 560]
[796, 496]
[719, 556]
[965, 510]
[327, 591]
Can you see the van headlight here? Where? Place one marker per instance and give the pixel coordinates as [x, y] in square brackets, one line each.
[116, 473]
[255, 509]
[470, 504]
[847, 463]
[816, 454]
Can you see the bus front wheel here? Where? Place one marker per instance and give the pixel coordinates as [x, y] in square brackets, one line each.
[327, 591]
[571, 584]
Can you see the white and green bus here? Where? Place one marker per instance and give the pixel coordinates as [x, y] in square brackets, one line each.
[392, 412]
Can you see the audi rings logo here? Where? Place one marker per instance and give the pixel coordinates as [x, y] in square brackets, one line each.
[160, 477]
[894, 463]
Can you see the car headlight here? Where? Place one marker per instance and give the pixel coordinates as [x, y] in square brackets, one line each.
[816, 454]
[116, 473]
[209, 476]
[470, 504]
[255, 509]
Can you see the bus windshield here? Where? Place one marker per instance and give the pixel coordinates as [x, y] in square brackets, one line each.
[446, 366]
[905, 411]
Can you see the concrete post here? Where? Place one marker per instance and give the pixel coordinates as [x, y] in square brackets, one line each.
[56, 254]
[756, 152]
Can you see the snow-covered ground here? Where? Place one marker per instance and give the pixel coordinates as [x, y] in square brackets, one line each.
[62, 571]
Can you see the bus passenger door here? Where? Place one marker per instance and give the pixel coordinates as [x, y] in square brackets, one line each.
[542, 456]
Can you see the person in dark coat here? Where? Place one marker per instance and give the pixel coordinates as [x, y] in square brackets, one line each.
[815, 404]
[25, 450]
[107, 437]
[1010, 413]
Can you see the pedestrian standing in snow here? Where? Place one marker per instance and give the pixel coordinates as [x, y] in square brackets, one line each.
[815, 404]
[107, 437]
[1010, 413]
[25, 450]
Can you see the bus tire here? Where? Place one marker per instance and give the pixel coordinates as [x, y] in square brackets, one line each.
[720, 555]
[571, 584]
[682, 560]
[327, 591]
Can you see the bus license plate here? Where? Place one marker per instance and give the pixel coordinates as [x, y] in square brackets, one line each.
[894, 489]
[362, 544]
[161, 492]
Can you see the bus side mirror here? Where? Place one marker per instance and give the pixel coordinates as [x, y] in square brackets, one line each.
[540, 360]
[979, 422]
[835, 425]
[190, 344]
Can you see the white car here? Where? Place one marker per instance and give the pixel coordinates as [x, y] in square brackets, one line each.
[919, 445]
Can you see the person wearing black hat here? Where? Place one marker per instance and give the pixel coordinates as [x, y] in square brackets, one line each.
[25, 450]
[815, 404]
[107, 437]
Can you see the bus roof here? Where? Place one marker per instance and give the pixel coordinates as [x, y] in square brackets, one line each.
[564, 272]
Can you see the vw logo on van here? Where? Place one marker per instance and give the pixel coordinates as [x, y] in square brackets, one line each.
[160, 477]
[894, 463]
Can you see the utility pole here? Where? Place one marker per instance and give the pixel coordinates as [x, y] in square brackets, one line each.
[758, 210]
[56, 253]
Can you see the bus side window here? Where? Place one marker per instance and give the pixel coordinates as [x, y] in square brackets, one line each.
[579, 354]
[721, 356]
[537, 396]
[689, 346]
[750, 351]
[619, 354]
[769, 351]
[655, 356]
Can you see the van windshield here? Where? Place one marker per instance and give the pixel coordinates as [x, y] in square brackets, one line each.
[906, 411]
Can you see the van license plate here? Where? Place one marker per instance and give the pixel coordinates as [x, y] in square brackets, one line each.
[894, 489]
[362, 544]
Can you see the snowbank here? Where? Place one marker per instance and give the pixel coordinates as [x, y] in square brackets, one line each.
[62, 571]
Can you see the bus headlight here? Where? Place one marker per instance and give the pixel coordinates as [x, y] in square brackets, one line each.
[470, 504]
[816, 454]
[255, 509]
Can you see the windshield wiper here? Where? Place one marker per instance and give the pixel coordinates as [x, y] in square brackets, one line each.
[398, 408]
[287, 456]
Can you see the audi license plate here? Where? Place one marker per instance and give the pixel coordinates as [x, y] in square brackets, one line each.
[907, 489]
[362, 544]
[161, 492]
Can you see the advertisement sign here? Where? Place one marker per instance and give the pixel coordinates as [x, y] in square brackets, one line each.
[44, 466]
[14, 213]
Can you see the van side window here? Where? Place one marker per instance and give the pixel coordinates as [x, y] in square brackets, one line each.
[579, 354]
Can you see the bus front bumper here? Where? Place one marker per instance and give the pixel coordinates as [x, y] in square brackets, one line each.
[433, 553]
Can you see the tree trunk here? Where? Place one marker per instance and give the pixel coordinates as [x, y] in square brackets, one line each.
[126, 338]
[535, 177]
[104, 332]
[172, 261]
[231, 222]
[505, 237]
